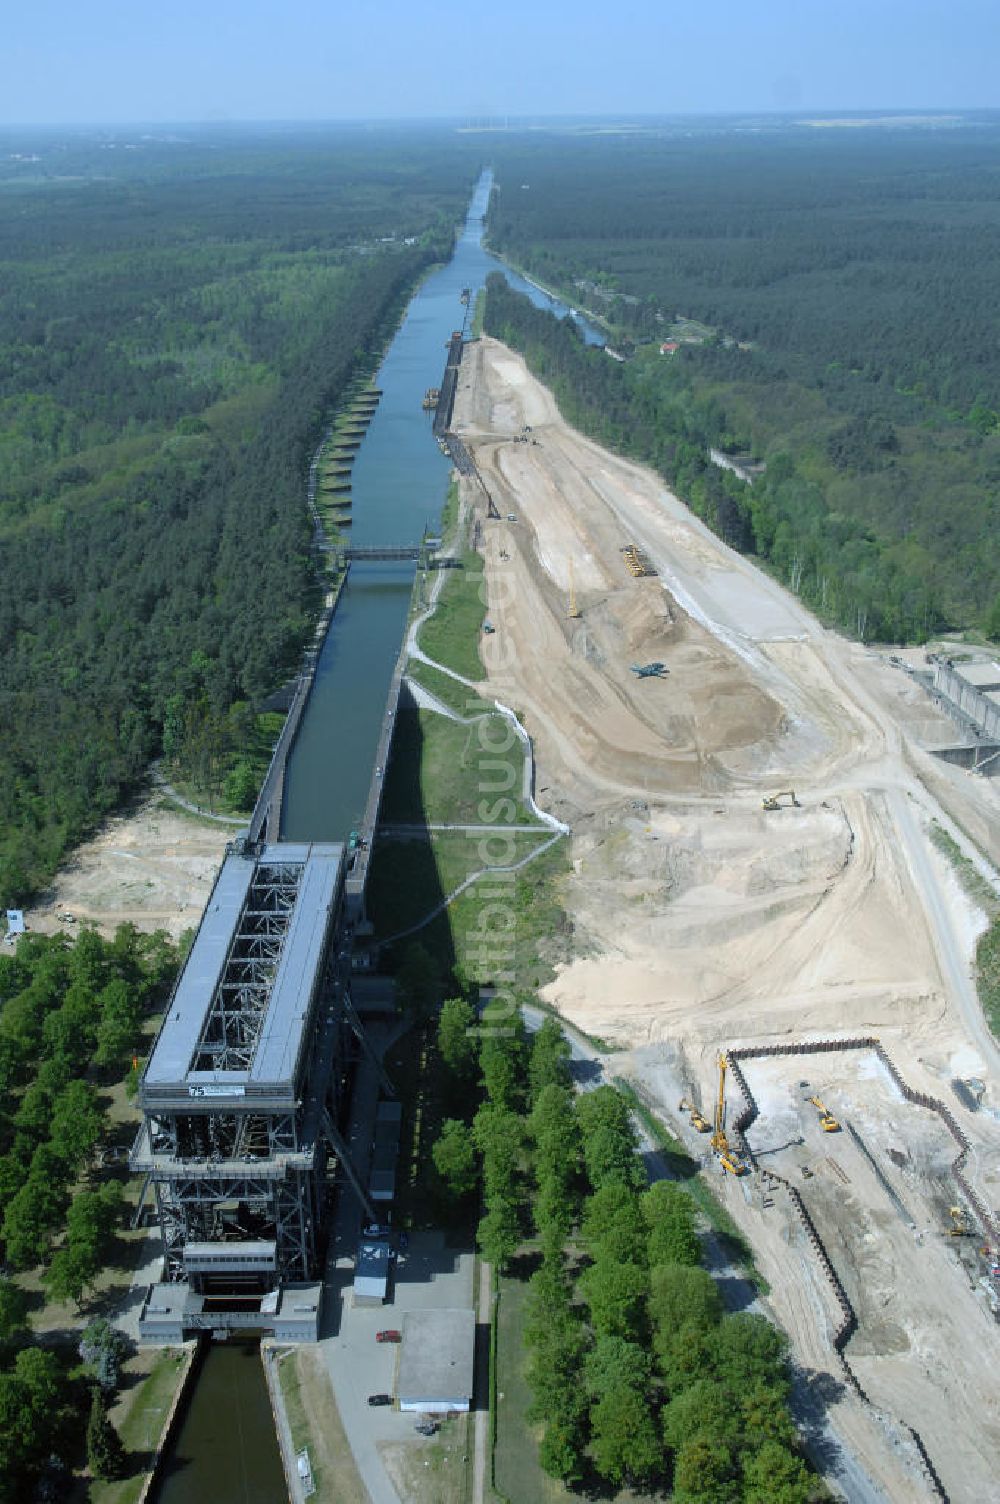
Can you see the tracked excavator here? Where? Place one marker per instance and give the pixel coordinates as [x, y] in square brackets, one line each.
[697, 1121]
[827, 1121]
[773, 801]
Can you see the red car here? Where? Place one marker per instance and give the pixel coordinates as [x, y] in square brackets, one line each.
[388, 1336]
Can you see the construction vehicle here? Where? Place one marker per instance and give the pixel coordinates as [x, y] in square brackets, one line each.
[650, 670]
[773, 801]
[720, 1143]
[637, 563]
[697, 1121]
[959, 1227]
[573, 610]
[827, 1121]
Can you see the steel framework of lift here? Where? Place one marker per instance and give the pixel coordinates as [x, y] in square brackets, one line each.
[266, 1167]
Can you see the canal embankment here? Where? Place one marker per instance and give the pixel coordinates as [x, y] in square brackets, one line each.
[185, 1379]
[265, 822]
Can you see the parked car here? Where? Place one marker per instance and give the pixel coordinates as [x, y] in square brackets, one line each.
[380, 1399]
[388, 1336]
[426, 1427]
[376, 1229]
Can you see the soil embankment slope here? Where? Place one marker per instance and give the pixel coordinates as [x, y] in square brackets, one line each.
[702, 920]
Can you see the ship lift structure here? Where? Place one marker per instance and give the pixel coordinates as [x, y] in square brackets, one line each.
[245, 1096]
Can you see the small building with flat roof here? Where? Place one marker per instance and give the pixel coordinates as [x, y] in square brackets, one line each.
[437, 1361]
[371, 1272]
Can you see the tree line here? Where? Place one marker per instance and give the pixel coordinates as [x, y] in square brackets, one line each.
[651, 410]
[72, 1017]
[844, 289]
[639, 1376]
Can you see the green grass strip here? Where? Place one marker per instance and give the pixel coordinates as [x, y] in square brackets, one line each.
[452, 635]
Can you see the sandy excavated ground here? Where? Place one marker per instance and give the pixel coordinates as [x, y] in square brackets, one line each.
[153, 867]
[704, 922]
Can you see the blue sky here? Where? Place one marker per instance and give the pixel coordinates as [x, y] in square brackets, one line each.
[109, 61]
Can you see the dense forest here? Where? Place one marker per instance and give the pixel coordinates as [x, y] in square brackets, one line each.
[176, 316]
[72, 1015]
[639, 1378]
[834, 299]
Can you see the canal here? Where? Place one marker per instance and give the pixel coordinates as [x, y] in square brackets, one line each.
[226, 1451]
[398, 487]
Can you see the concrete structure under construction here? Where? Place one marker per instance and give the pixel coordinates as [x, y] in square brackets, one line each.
[974, 688]
[245, 1094]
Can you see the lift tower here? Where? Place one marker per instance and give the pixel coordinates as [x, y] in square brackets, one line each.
[244, 1094]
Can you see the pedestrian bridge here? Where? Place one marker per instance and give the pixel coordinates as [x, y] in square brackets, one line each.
[420, 553]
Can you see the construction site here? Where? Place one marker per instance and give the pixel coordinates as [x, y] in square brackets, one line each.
[765, 931]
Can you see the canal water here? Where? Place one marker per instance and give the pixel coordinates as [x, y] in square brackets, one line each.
[226, 1451]
[398, 488]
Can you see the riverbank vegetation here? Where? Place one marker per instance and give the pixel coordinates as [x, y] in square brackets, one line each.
[984, 896]
[177, 322]
[314, 1422]
[827, 304]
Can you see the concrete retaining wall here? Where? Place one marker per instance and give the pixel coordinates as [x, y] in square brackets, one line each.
[984, 711]
[265, 822]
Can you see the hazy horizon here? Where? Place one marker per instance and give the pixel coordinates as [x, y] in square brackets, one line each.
[254, 63]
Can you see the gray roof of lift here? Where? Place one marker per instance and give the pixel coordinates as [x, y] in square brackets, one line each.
[278, 1046]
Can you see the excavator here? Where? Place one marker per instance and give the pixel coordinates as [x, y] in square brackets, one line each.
[697, 1121]
[720, 1143]
[773, 801]
[827, 1121]
[959, 1227]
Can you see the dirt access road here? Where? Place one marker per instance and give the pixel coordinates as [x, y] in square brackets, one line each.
[703, 922]
[153, 866]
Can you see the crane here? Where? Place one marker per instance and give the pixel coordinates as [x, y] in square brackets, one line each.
[827, 1121]
[720, 1142]
[573, 609]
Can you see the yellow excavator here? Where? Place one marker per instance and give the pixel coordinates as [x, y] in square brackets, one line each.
[720, 1142]
[827, 1121]
[959, 1227]
[773, 801]
[697, 1121]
